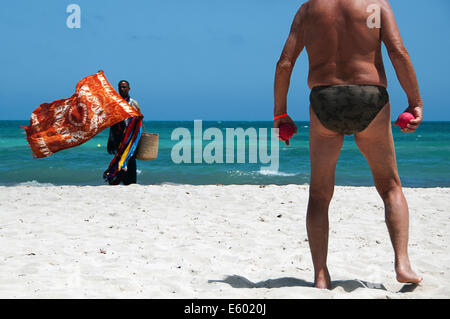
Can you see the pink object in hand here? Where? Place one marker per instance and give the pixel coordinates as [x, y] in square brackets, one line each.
[404, 119]
[286, 132]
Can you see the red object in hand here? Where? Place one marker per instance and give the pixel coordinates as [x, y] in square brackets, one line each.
[404, 119]
[286, 132]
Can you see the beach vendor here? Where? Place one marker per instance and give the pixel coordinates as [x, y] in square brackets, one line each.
[349, 97]
[95, 106]
[116, 135]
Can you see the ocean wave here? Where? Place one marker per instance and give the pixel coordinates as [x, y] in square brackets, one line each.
[268, 172]
[262, 171]
[35, 183]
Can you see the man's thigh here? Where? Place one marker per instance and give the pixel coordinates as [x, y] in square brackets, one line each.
[325, 147]
[376, 143]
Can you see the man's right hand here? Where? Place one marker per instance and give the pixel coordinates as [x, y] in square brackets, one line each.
[285, 120]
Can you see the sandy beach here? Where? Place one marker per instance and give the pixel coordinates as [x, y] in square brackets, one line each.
[212, 241]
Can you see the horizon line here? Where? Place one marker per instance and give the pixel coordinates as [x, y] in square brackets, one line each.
[192, 120]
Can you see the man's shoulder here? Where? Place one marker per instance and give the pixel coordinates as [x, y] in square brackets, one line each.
[316, 8]
[133, 101]
[304, 7]
[135, 104]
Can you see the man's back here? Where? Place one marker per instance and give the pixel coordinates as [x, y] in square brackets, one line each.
[342, 47]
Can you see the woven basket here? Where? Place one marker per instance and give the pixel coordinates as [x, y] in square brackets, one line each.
[147, 149]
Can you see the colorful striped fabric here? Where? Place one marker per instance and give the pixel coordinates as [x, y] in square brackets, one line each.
[126, 150]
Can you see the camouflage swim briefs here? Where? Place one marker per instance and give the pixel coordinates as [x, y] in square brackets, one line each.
[348, 109]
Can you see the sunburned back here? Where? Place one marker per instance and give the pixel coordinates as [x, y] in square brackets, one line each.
[341, 46]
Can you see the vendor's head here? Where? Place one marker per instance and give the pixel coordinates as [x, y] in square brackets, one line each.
[124, 88]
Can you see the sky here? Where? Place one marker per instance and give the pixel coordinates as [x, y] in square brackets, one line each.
[192, 59]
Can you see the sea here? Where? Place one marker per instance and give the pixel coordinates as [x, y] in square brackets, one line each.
[422, 157]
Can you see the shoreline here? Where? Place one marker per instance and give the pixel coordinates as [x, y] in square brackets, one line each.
[44, 184]
[208, 241]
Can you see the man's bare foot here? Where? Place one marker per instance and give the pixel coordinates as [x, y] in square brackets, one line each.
[322, 279]
[406, 275]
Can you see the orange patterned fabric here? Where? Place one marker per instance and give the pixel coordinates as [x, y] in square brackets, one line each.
[70, 122]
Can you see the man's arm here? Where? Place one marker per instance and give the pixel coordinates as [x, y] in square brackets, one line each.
[401, 61]
[292, 49]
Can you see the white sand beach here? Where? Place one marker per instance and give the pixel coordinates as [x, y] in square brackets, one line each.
[210, 242]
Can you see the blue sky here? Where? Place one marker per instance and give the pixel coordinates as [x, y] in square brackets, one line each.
[192, 59]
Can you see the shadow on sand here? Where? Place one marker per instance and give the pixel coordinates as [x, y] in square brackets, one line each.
[236, 281]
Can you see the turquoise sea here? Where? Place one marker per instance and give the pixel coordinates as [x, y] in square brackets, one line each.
[423, 160]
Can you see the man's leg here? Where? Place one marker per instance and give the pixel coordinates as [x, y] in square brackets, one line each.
[377, 145]
[130, 175]
[325, 147]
